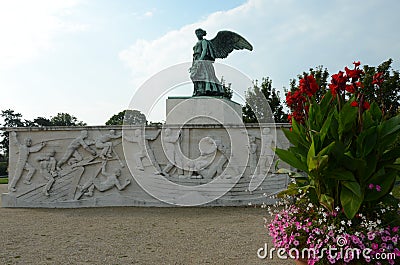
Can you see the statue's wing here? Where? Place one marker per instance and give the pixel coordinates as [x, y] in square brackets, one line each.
[227, 41]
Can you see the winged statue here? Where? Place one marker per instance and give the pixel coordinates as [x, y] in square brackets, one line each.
[204, 54]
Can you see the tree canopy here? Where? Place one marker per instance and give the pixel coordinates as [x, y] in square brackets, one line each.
[255, 104]
[128, 117]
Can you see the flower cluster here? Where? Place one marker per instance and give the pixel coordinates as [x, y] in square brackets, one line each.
[306, 226]
[297, 101]
[347, 83]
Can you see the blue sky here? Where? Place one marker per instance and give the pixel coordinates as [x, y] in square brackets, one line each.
[88, 57]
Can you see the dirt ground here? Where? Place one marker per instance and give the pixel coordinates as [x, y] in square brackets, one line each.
[132, 235]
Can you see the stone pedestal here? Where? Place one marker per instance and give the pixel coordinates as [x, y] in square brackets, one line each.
[203, 110]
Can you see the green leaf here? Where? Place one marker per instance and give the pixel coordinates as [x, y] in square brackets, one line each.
[347, 118]
[291, 159]
[366, 141]
[295, 138]
[311, 161]
[385, 181]
[341, 174]
[353, 186]
[375, 111]
[325, 127]
[390, 126]
[350, 201]
[327, 201]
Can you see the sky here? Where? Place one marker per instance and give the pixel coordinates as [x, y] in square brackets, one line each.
[89, 57]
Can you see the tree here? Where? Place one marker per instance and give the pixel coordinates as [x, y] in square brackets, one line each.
[128, 117]
[228, 93]
[64, 119]
[42, 122]
[255, 104]
[11, 119]
[388, 96]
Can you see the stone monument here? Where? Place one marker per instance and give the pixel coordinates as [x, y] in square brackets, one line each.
[202, 155]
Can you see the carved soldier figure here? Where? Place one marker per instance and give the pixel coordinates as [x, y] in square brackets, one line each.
[24, 150]
[105, 141]
[252, 154]
[48, 165]
[171, 148]
[144, 149]
[110, 182]
[266, 154]
[72, 149]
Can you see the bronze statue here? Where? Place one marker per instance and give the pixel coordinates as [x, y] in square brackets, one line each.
[204, 54]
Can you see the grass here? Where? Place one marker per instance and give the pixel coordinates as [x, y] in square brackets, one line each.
[3, 180]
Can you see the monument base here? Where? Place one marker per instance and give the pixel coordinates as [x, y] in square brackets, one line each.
[203, 110]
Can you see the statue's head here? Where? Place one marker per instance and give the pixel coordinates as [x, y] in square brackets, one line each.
[112, 132]
[167, 131]
[84, 134]
[28, 142]
[200, 33]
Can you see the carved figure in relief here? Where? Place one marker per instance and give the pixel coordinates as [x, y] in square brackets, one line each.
[48, 169]
[72, 149]
[171, 149]
[110, 181]
[144, 149]
[104, 142]
[252, 154]
[266, 154]
[23, 153]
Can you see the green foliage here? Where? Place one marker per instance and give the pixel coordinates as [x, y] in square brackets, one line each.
[255, 109]
[388, 96]
[65, 119]
[3, 168]
[341, 166]
[11, 119]
[228, 93]
[128, 117]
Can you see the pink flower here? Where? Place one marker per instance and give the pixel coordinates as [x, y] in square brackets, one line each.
[378, 188]
[371, 186]
[374, 246]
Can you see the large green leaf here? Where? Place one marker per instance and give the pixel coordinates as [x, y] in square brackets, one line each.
[390, 126]
[375, 111]
[341, 174]
[312, 162]
[327, 201]
[291, 159]
[366, 141]
[295, 138]
[350, 201]
[347, 118]
[385, 181]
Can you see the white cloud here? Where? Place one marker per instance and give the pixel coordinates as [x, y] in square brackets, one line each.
[27, 27]
[288, 37]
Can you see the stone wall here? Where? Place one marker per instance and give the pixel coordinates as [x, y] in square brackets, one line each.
[210, 165]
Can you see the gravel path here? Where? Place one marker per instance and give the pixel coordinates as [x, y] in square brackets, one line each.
[131, 235]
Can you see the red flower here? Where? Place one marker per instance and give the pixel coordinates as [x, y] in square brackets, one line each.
[359, 84]
[308, 85]
[356, 64]
[377, 79]
[354, 104]
[354, 73]
[350, 89]
[338, 83]
[366, 105]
